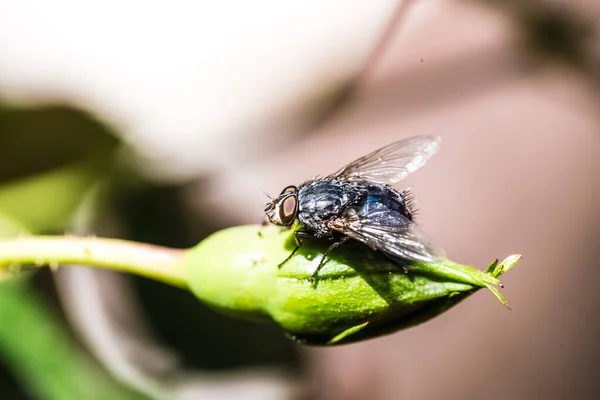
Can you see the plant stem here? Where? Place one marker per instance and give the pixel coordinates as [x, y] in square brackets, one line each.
[160, 263]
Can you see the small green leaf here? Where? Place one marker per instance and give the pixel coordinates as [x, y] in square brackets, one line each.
[347, 333]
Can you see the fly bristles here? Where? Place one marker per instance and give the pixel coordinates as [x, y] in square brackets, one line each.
[410, 203]
[310, 180]
[269, 206]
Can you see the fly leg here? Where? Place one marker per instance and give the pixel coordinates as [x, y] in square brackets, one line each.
[322, 262]
[297, 236]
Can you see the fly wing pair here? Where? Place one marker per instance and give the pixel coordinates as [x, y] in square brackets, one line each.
[389, 231]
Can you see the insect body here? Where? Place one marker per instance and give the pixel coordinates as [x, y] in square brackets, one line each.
[357, 203]
[322, 202]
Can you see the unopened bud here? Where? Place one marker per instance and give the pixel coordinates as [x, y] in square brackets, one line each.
[358, 294]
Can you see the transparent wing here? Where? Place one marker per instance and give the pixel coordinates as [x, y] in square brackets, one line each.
[393, 234]
[391, 163]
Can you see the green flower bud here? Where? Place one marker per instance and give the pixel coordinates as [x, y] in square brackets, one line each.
[359, 293]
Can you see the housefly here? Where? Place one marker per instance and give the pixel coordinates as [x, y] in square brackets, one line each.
[357, 202]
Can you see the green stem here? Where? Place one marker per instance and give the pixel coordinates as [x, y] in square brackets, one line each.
[160, 263]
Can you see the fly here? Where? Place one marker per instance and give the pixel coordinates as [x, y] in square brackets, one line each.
[357, 202]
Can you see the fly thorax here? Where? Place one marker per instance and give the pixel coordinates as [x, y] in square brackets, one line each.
[321, 205]
[320, 201]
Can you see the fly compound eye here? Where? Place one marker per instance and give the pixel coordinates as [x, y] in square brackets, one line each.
[287, 210]
[289, 189]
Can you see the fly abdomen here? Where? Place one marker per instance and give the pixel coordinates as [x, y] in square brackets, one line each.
[382, 199]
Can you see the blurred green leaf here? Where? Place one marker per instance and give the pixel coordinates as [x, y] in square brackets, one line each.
[40, 139]
[42, 355]
[49, 159]
[46, 201]
[9, 227]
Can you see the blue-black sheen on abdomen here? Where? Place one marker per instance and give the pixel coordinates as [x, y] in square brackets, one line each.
[383, 204]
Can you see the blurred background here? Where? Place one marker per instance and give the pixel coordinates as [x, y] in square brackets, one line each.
[165, 122]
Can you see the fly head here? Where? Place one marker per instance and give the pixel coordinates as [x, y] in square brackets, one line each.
[283, 210]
